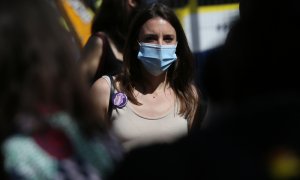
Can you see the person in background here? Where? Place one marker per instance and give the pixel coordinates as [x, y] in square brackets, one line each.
[103, 53]
[93, 4]
[154, 98]
[252, 127]
[48, 124]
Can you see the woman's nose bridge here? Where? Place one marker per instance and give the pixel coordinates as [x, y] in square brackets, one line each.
[160, 41]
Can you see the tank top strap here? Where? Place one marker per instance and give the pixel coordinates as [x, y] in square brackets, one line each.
[110, 81]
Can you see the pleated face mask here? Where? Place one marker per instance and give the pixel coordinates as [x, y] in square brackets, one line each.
[157, 58]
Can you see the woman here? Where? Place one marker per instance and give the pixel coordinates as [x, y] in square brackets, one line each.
[156, 85]
[103, 53]
[48, 124]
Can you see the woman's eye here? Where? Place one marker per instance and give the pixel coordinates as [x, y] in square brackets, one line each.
[149, 39]
[168, 39]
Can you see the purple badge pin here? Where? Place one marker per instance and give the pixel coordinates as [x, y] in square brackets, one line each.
[119, 99]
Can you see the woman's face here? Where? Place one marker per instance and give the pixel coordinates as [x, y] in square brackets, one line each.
[157, 31]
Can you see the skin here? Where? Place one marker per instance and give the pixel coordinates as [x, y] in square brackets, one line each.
[92, 54]
[93, 50]
[156, 98]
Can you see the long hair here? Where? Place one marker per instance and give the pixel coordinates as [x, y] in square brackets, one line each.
[181, 72]
[113, 17]
[38, 67]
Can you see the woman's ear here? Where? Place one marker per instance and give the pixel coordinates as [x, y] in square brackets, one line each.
[132, 3]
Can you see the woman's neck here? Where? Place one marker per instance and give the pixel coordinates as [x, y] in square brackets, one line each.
[154, 83]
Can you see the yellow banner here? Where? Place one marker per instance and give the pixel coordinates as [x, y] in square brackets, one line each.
[78, 18]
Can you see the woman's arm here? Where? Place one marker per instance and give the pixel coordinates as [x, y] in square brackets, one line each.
[100, 92]
[91, 57]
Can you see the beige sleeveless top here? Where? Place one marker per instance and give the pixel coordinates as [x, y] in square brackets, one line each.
[134, 130]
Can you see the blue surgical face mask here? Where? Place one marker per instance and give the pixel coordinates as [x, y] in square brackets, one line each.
[157, 58]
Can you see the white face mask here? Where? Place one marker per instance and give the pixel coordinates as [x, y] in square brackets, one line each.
[157, 58]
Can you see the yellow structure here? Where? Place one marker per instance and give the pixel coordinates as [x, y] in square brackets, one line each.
[78, 18]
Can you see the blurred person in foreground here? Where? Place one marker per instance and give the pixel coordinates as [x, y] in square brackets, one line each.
[252, 128]
[48, 126]
[154, 98]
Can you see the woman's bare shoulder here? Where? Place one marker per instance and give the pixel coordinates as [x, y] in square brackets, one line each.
[102, 85]
[94, 41]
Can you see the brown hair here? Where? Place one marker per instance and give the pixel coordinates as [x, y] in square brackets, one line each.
[113, 18]
[179, 75]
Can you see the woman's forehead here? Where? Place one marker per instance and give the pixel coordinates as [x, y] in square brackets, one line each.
[157, 25]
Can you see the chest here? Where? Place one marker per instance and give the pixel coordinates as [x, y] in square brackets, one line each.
[154, 105]
[135, 130]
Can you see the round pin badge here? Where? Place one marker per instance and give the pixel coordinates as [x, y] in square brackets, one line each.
[119, 99]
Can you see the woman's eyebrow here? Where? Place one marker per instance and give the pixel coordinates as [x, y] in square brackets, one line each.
[150, 35]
